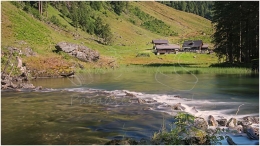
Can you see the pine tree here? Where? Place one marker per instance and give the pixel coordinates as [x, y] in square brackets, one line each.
[236, 25]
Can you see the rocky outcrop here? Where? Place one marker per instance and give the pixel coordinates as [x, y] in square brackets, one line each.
[81, 52]
[23, 51]
[16, 83]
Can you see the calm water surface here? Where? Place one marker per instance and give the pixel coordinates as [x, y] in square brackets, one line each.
[77, 110]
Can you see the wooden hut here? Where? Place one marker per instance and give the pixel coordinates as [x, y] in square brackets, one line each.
[159, 42]
[196, 45]
[166, 49]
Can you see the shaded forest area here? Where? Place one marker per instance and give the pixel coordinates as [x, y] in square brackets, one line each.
[201, 8]
[236, 36]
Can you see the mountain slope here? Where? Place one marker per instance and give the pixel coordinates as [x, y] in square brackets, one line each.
[129, 39]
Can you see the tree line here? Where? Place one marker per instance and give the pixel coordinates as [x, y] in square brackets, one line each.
[236, 36]
[201, 8]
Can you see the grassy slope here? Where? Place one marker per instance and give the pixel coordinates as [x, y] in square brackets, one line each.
[129, 39]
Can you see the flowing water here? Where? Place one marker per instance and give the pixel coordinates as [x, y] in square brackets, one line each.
[92, 108]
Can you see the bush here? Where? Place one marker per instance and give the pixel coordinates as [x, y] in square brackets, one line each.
[55, 20]
[183, 132]
[143, 55]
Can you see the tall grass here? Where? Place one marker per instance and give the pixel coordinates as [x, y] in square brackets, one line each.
[170, 70]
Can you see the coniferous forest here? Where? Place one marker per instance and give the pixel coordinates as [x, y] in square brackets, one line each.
[236, 36]
[201, 8]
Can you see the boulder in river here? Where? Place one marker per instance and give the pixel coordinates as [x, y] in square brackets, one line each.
[222, 122]
[178, 106]
[201, 123]
[230, 141]
[252, 132]
[232, 122]
[212, 121]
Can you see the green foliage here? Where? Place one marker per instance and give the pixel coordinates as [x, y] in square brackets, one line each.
[181, 130]
[236, 38]
[140, 14]
[103, 31]
[55, 20]
[96, 5]
[201, 8]
[106, 34]
[9, 62]
[33, 33]
[143, 55]
[152, 24]
[119, 6]
[159, 27]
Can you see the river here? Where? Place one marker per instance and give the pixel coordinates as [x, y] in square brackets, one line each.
[91, 108]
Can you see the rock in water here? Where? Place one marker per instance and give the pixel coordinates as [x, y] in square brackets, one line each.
[230, 141]
[252, 132]
[232, 122]
[212, 121]
[222, 122]
[201, 123]
[178, 106]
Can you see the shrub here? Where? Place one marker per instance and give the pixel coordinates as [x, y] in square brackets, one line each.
[183, 132]
[55, 20]
[143, 55]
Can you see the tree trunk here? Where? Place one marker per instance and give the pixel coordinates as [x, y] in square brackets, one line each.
[40, 7]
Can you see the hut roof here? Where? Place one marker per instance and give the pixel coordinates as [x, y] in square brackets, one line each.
[190, 44]
[160, 41]
[170, 46]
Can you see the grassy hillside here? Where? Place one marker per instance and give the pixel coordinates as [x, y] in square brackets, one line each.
[129, 39]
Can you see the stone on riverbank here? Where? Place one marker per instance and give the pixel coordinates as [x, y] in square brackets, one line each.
[18, 82]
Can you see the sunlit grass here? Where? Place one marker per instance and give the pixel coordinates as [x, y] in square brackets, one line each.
[170, 70]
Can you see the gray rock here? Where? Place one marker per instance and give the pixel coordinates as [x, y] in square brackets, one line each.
[79, 51]
[222, 122]
[212, 121]
[26, 86]
[29, 52]
[195, 137]
[252, 132]
[201, 123]
[66, 47]
[251, 120]
[194, 110]
[178, 106]
[232, 122]
[237, 129]
[230, 141]
[81, 56]
[14, 50]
